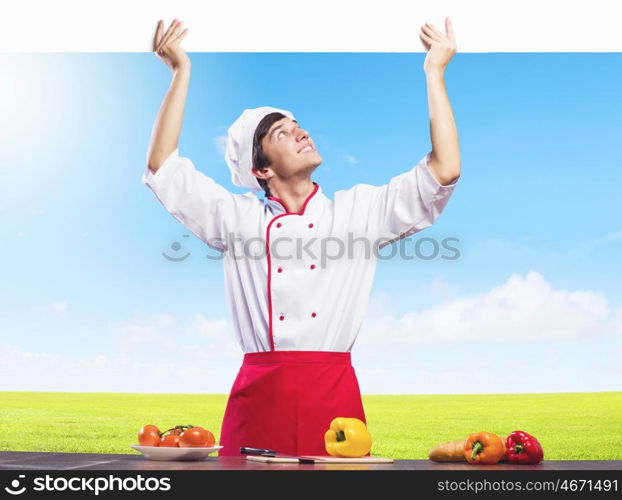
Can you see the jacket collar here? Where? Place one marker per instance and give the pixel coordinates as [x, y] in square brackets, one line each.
[278, 207]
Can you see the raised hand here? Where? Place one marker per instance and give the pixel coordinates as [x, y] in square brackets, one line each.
[440, 48]
[166, 45]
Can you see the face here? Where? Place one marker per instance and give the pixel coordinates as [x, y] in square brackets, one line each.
[290, 149]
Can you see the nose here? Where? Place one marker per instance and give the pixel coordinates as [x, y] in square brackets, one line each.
[302, 134]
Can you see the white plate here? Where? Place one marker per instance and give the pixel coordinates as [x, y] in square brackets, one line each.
[174, 453]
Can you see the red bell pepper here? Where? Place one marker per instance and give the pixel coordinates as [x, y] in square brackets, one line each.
[523, 448]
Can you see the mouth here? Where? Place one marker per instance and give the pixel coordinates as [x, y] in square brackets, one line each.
[307, 149]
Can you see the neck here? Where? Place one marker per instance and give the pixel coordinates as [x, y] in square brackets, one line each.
[292, 193]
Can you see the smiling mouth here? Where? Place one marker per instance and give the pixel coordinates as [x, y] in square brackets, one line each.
[306, 149]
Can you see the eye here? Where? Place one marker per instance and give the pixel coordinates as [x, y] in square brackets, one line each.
[279, 134]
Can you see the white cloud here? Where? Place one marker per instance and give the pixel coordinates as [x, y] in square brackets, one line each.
[209, 328]
[122, 372]
[524, 309]
[150, 353]
[221, 143]
[57, 308]
[60, 307]
[441, 290]
[198, 338]
[380, 305]
[520, 336]
[350, 159]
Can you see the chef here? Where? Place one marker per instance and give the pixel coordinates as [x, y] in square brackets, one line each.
[299, 265]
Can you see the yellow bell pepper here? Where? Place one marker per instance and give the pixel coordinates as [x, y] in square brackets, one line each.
[347, 437]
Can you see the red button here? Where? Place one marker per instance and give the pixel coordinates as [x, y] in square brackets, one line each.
[278, 224]
[281, 317]
[280, 269]
[313, 315]
[311, 224]
[312, 266]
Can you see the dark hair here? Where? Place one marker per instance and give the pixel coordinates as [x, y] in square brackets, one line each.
[259, 158]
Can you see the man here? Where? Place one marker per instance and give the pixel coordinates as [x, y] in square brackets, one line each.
[296, 314]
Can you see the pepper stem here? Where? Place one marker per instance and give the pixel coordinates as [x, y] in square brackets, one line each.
[341, 436]
[518, 448]
[478, 447]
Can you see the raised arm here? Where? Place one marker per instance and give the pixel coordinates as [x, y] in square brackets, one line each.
[203, 206]
[167, 125]
[444, 160]
[413, 200]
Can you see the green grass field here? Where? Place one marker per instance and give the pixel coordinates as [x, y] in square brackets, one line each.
[570, 426]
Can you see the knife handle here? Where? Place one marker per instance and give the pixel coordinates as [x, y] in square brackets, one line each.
[247, 450]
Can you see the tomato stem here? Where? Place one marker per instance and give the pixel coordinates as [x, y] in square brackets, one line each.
[180, 427]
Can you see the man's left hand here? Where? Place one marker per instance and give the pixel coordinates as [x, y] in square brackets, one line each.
[440, 48]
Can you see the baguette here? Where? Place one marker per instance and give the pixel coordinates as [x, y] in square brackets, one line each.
[452, 451]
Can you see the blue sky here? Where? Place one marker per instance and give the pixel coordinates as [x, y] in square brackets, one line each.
[89, 303]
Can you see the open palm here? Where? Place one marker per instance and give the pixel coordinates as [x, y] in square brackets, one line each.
[166, 45]
[440, 47]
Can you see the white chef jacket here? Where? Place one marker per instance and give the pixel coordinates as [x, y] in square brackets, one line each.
[284, 292]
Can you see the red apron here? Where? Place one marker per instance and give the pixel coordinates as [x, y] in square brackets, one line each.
[286, 400]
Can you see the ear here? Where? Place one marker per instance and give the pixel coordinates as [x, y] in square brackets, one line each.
[264, 173]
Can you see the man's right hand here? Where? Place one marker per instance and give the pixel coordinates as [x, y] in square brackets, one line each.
[166, 45]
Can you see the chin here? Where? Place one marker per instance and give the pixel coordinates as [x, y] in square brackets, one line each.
[317, 161]
[312, 165]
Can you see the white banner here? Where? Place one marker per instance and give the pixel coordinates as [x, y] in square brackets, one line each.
[311, 26]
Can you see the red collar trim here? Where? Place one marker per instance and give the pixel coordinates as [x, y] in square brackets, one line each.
[304, 205]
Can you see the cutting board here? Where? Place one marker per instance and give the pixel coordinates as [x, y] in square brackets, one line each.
[319, 459]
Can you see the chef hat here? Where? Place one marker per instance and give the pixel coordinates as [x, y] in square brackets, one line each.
[239, 151]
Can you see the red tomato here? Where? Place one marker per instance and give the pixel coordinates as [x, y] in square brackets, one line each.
[149, 435]
[171, 440]
[196, 437]
[211, 440]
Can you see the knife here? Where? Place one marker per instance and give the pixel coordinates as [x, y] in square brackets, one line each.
[247, 450]
[264, 452]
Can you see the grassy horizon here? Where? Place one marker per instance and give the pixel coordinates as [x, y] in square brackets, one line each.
[570, 426]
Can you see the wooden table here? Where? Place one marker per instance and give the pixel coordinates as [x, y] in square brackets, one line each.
[26, 460]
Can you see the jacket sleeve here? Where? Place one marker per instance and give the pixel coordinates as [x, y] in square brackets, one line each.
[193, 198]
[409, 203]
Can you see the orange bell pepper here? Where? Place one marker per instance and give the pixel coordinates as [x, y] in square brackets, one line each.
[484, 448]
